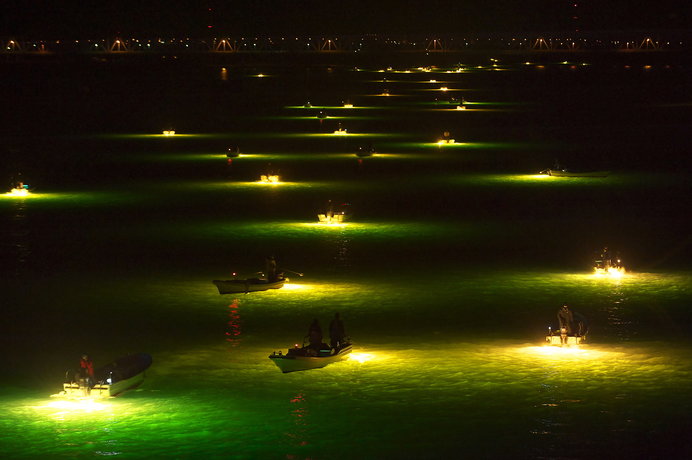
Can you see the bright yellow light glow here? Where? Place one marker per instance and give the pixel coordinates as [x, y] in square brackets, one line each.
[461, 107]
[297, 287]
[340, 132]
[443, 88]
[433, 81]
[361, 357]
[613, 272]
[348, 106]
[270, 179]
[19, 191]
[169, 133]
[566, 353]
[76, 406]
[445, 141]
[332, 224]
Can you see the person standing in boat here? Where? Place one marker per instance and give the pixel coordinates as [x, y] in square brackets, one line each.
[271, 269]
[565, 319]
[336, 332]
[329, 211]
[606, 257]
[315, 335]
[86, 369]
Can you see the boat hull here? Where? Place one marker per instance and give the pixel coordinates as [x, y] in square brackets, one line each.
[248, 285]
[113, 379]
[333, 219]
[288, 363]
[563, 173]
[570, 340]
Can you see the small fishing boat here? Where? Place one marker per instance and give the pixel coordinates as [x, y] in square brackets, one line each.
[110, 380]
[270, 178]
[305, 358]
[334, 214]
[575, 173]
[20, 190]
[335, 218]
[365, 151]
[233, 152]
[248, 285]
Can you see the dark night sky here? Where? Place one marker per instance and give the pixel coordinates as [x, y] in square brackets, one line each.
[36, 19]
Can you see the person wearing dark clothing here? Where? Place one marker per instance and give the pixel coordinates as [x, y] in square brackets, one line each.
[271, 269]
[581, 324]
[336, 331]
[565, 319]
[315, 335]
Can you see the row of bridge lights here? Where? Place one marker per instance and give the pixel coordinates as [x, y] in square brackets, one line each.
[13, 45]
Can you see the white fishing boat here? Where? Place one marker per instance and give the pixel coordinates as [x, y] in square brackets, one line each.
[110, 380]
[248, 285]
[305, 358]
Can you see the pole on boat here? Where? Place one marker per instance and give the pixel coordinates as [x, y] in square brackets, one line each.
[292, 271]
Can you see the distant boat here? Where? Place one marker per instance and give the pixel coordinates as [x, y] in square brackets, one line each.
[233, 152]
[335, 218]
[248, 285]
[332, 216]
[305, 358]
[20, 190]
[112, 379]
[575, 173]
[365, 151]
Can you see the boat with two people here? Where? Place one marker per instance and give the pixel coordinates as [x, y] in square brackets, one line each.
[314, 353]
[573, 328]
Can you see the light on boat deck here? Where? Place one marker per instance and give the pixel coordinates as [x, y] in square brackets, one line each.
[461, 107]
[443, 88]
[348, 105]
[18, 191]
[612, 272]
[169, 133]
[270, 179]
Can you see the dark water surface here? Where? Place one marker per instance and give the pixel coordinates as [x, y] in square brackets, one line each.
[448, 274]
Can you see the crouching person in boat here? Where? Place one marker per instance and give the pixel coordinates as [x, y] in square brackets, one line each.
[337, 333]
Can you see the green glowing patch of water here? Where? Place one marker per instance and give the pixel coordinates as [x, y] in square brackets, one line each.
[314, 117]
[308, 230]
[332, 107]
[81, 198]
[612, 180]
[455, 146]
[348, 134]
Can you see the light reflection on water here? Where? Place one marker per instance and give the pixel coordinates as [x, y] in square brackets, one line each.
[244, 402]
